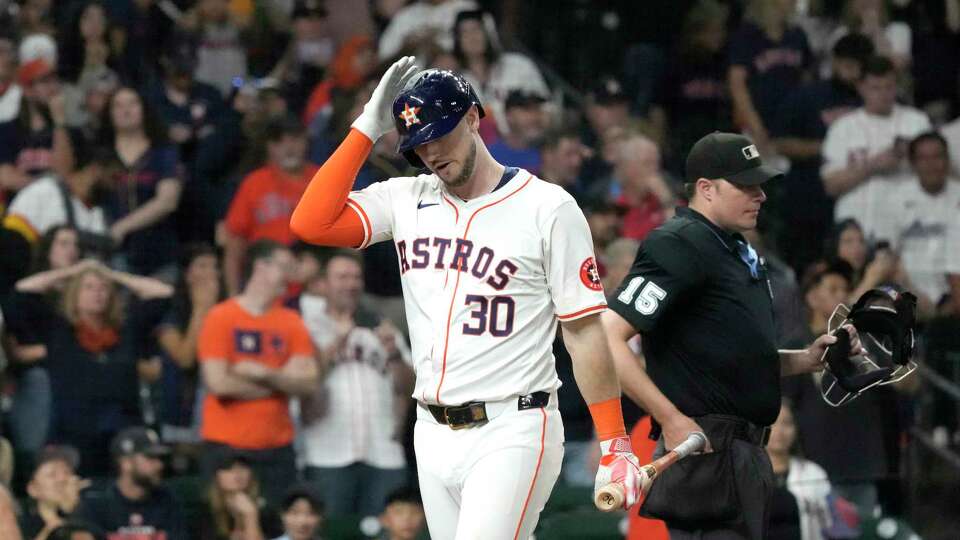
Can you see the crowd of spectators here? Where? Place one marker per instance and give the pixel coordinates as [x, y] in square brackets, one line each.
[160, 322]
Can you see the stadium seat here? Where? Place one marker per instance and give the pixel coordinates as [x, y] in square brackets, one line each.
[581, 525]
[887, 528]
[188, 490]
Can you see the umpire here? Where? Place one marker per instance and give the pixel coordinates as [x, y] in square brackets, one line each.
[699, 296]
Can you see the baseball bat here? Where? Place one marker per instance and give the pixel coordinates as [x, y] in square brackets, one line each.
[611, 496]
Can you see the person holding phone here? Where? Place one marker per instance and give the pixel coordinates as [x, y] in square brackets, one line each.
[864, 151]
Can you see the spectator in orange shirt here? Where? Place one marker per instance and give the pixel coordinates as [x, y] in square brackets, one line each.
[254, 355]
[262, 207]
[640, 528]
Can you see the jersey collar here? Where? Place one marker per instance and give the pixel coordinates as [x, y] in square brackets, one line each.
[729, 240]
[509, 174]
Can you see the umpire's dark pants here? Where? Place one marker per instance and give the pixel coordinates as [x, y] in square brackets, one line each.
[752, 481]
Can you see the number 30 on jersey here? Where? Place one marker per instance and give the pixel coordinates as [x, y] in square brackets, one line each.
[647, 302]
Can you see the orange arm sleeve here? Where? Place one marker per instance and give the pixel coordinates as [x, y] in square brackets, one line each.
[608, 419]
[321, 216]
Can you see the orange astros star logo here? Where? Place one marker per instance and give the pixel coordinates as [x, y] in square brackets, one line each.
[409, 115]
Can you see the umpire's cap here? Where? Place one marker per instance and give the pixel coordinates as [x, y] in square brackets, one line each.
[429, 108]
[729, 156]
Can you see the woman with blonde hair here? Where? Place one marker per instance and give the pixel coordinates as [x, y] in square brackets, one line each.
[96, 365]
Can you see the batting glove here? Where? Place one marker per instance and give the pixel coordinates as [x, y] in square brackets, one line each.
[619, 465]
[377, 116]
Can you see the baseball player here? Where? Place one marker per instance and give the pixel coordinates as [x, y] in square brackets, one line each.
[491, 257]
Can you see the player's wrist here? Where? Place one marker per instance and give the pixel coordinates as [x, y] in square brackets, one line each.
[608, 419]
[368, 125]
[616, 445]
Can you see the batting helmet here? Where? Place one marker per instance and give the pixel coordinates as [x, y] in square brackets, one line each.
[430, 108]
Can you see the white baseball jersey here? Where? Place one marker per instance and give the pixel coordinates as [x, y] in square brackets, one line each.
[41, 205]
[857, 136]
[918, 228]
[484, 281]
[351, 416]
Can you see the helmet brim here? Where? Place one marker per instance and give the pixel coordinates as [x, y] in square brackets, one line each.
[428, 133]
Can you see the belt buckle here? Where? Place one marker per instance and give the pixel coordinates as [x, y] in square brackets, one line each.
[478, 416]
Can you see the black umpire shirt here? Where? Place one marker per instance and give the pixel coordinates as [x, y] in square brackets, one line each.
[707, 324]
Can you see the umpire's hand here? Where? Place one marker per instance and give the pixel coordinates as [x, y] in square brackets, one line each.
[677, 428]
[814, 358]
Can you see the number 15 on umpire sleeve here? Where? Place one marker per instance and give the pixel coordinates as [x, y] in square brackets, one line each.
[647, 302]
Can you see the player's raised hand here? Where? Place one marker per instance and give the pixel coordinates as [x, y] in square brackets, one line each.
[376, 118]
[618, 465]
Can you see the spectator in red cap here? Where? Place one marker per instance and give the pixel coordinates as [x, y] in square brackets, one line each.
[11, 98]
[36, 141]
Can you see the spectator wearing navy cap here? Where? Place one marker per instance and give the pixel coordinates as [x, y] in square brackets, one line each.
[607, 110]
[527, 121]
[136, 505]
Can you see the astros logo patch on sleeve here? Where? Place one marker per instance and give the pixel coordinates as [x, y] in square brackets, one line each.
[589, 275]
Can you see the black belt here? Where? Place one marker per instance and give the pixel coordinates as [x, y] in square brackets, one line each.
[475, 413]
[721, 428]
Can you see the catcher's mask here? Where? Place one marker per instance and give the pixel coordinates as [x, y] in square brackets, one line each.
[885, 321]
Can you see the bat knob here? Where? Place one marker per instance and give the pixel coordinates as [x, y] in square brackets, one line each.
[610, 497]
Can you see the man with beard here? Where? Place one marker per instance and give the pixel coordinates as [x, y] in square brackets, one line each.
[798, 135]
[136, 506]
[491, 259]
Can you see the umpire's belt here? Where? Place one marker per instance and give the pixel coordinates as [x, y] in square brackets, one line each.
[720, 429]
[475, 413]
